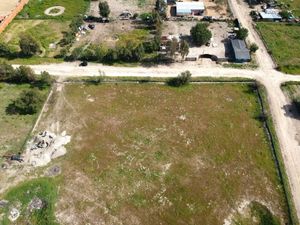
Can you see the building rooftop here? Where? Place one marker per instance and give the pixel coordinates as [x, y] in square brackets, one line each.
[241, 52]
[187, 7]
[270, 14]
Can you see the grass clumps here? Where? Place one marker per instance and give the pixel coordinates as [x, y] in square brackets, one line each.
[21, 198]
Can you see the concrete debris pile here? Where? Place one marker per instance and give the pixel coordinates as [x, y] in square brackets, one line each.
[45, 147]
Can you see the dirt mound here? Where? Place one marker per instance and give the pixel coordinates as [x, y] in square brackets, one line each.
[45, 147]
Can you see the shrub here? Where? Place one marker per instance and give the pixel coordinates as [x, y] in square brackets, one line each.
[28, 102]
[104, 9]
[23, 74]
[44, 81]
[7, 72]
[181, 80]
[28, 45]
[200, 34]
[242, 33]
[253, 47]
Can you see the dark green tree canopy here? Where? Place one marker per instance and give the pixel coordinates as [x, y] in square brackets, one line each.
[104, 9]
[200, 34]
[242, 33]
[28, 45]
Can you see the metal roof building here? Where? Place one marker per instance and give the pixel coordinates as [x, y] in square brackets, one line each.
[189, 8]
[270, 14]
[240, 50]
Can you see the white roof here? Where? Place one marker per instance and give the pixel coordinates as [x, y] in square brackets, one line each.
[188, 6]
[269, 15]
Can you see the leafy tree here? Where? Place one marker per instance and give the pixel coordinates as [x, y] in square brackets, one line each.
[28, 45]
[28, 102]
[173, 46]
[253, 47]
[184, 48]
[182, 79]
[242, 33]
[7, 72]
[44, 81]
[200, 34]
[104, 9]
[24, 74]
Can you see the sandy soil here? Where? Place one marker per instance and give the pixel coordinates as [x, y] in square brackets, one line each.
[6, 6]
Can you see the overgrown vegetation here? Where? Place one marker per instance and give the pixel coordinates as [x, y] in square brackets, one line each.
[201, 34]
[182, 79]
[21, 196]
[283, 43]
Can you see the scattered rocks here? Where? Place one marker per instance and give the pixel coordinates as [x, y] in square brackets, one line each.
[14, 214]
[53, 171]
[3, 203]
[35, 204]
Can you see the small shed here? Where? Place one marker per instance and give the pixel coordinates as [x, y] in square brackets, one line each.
[240, 51]
[189, 8]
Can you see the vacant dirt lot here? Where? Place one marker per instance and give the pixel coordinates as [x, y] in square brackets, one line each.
[149, 154]
[219, 36]
[6, 6]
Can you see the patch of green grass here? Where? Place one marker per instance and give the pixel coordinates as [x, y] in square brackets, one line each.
[283, 43]
[35, 9]
[20, 197]
[136, 36]
[14, 128]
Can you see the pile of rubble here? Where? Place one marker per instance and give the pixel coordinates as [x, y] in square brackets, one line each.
[45, 147]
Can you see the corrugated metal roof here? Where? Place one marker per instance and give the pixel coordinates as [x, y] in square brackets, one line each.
[273, 15]
[187, 7]
[240, 49]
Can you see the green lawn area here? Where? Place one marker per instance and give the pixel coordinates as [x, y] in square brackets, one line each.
[21, 196]
[283, 41]
[35, 8]
[152, 154]
[14, 128]
[44, 31]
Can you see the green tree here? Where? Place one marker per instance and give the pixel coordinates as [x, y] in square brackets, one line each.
[24, 74]
[44, 81]
[172, 47]
[200, 34]
[184, 48]
[7, 72]
[28, 102]
[242, 33]
[253, 47]
[28, 45]
[104, 9]
[182, 79]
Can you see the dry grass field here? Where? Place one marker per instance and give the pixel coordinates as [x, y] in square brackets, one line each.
[152, 154]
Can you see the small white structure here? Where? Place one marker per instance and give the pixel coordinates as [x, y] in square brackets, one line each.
[189, 8]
